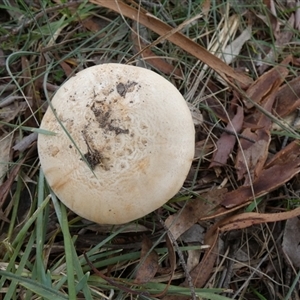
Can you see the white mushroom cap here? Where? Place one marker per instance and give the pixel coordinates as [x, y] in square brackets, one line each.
[124, 143]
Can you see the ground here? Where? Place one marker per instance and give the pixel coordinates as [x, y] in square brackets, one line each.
[232, 231]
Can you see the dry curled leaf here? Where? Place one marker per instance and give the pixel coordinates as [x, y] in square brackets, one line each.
[149, 263]
[291, 241]
[150, 57]
[201, 273]
[193, 211]
[227, 141]
[287, 98]
[245, 220]
[281, 168]
[268, 83]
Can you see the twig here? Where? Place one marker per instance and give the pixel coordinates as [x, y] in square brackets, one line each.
[181, 258]
[113, 282]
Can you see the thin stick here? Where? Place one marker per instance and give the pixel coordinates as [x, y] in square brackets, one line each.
[113, 282]
[181, 258]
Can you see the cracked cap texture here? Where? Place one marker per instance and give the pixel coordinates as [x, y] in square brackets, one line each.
[123, 143]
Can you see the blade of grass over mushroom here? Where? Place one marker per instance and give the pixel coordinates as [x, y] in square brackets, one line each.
[30, 129]
[62, 125]
[179, 39]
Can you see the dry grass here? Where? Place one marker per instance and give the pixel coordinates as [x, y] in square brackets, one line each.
[45, 249]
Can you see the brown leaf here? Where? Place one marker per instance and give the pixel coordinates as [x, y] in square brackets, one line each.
[201, 273]
[218, 109]
[9, 112]
[193, 211]
[66, 67]
[172, 261]
[149, 263]
[272, 17]
[281, 168]
[95, 25]
[248, 219]
[287, 98]
[182, 41]
[281, 40]
[251, 157]
[151, 58]
[206, 7]
[291, 241]
[267, 83]
[227, 141]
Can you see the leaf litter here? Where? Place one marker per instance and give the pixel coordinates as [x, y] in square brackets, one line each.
[239, 163]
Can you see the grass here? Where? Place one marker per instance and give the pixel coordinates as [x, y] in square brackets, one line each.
[44, 247]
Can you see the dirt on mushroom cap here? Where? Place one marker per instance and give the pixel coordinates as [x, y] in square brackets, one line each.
[124, 143]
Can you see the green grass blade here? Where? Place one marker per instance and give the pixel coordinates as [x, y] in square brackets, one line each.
[36, 287]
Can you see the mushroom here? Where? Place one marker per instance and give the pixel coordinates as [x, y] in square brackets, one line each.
[123, 143]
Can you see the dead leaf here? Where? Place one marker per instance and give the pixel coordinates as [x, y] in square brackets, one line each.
[249, 219]
[227, 141]
[151, 58]
[297, 17]
[287, 98]
[281, 168]
[267, 83]
[196, 114]
[291, 241]
[282, 39]
[5, 157]
[205, 7]
[230, 53]
[9, 112]
[94, 24]
[25, 142]
[251, 157]
[271, 17]
[193, 235]
[148, 263]
[201, 273]
[182, 41]
[193, 211]
[67, 69]
[218, 109]
[172, 261]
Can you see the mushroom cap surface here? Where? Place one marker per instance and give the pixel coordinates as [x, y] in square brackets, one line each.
[123, 143]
